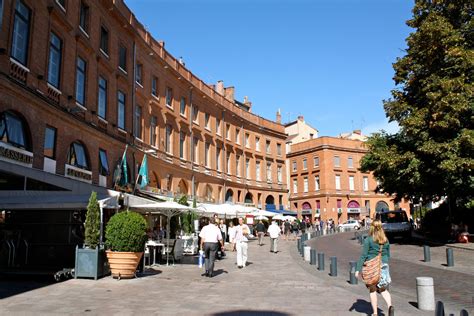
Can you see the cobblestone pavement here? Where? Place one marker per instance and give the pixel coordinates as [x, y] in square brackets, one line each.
[272, 284]
[454, 286]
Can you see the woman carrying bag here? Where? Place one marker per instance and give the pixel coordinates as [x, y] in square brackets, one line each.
[373, 263]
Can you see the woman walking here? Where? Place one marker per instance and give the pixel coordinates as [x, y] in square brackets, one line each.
[377, 242]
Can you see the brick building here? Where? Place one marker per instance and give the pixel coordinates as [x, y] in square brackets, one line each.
[325, 180]
[79, 81]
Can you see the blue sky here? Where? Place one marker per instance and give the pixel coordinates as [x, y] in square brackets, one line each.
[328, 60]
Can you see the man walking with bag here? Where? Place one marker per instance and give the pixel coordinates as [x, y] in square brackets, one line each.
[211, 236]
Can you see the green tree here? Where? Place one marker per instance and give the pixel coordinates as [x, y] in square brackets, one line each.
[92, 224]
[432, 154]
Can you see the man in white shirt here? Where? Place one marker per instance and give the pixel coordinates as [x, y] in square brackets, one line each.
[210, 238]
[274, 232]
[241, 233]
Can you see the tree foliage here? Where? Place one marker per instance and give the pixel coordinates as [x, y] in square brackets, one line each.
[432, 154]
[92, 224]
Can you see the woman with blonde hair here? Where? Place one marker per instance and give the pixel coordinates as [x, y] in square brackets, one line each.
[377, 242]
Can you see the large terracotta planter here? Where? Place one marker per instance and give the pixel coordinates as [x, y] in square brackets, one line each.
[123, 264]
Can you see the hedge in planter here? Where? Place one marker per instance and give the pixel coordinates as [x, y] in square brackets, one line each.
[126, 236]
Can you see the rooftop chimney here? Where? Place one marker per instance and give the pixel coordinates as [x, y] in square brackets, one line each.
[247, 102]
[220, 87]
[229, 93]
[301, 118]
[278, 117]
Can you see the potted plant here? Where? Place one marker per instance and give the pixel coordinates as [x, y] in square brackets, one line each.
[125, 239]
[91, 261]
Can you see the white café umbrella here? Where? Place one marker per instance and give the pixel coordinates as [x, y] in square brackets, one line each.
[261, 217]
[280, 217]
[263, 213]
[169, 209]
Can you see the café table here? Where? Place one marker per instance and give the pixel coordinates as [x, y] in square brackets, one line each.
[153, 244]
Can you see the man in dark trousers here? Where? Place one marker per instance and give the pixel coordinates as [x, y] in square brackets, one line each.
[211, 237]
[261, 232]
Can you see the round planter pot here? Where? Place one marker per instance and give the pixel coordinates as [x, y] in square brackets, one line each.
[123, 264]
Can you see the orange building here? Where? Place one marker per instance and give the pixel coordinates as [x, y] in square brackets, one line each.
[325, 180]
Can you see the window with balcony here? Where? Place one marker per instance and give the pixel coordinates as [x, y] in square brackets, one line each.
[206, 121]
[102, 97]
[80, 81]
[84, 17]
[169, 97]
[21, 33]
[104, 40]
[258, 171]
[269, 172]
[121, 110]
[154, 87]
[182, 144]
[138, 122]
[168, 135]
[207, 153]
[123, 58]
[153, 123]
[139, 74]
[54, 65]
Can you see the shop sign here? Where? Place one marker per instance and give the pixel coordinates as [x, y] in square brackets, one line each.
[78, 174]
[16, 155]
[353, 210]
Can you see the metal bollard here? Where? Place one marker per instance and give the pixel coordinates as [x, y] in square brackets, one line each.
[352, 278]
[439, 311]
[425, 293]
[321, 261]
[312, 255]
[426, 253]
[299, 245]
[463, 313]
[333, 267]
[449, 257]
[302, 245]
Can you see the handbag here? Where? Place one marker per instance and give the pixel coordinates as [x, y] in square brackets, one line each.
[371, 269]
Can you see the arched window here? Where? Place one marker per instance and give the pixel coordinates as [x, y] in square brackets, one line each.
[248, 198]
[77, 156]
[14, 131]
[381, 206]
[229, 196]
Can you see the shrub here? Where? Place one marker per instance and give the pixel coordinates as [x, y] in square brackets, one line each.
[126, 231]
[92, 224]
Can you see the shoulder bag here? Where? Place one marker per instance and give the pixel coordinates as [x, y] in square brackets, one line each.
[371, 269]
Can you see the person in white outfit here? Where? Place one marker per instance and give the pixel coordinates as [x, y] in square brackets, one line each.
[274, 232]
[241, 233]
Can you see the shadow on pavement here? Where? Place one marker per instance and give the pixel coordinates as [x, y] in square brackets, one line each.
[250, 313]
[149, 272]
[361, 306]
[14, 285]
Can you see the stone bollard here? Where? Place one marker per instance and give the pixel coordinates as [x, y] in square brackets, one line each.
[425, 293]
[321, 261]
[352, 270]
[333, 267]
[307, 253]
[426, 253]
[449, 257]
[463, 313]
[312, 255]
[308, 236]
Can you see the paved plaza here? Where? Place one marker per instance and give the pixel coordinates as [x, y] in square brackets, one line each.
[272, 284]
